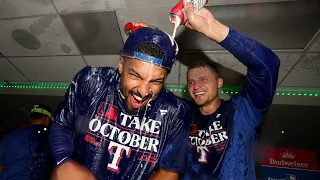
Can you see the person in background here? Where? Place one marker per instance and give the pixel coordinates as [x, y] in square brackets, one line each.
[122, 123]
[24, 152]
[223, 132]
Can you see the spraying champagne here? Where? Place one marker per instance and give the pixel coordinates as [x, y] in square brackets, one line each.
[178, 14]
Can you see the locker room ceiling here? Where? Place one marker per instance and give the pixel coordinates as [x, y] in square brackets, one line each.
[50, 40]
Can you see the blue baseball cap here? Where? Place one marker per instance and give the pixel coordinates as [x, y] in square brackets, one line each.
[146, 34]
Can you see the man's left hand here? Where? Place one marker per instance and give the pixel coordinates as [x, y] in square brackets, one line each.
[205, 23]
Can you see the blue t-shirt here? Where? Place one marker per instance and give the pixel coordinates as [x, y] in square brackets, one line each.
[112, 143]
[220, 144]
[209, 135]
[24, 154]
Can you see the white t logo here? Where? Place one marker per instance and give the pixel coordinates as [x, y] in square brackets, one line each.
[203, 154]
[117, 155]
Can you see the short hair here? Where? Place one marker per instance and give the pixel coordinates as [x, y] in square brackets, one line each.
[151, 49]
[207, 64]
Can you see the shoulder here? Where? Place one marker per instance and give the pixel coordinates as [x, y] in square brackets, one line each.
[89, 73]
[13, 135]
[95, 78]
[177, 107]
[241, 103]
[174, 102]
[245, 111]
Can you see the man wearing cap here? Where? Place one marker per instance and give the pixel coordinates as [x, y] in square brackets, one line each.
[122, 123]
[223, 133]
[24, 152]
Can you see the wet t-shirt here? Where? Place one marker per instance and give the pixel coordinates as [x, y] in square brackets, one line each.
[111, 142]
[209, 135]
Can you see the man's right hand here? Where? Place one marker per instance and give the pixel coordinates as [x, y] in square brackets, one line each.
[72, 170]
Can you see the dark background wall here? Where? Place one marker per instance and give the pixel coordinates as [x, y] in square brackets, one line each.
[300, 124]
[14, 109]
[290, 126]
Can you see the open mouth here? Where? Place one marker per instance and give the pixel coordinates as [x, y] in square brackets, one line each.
[137, 102]
[199, 93]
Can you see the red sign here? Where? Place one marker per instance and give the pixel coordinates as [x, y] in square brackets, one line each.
[289, 158]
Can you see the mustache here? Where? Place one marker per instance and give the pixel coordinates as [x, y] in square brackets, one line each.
[135, 92]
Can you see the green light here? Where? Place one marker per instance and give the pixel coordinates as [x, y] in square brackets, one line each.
[230, 90]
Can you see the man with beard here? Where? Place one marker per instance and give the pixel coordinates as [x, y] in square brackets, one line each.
[122, 123]
[223, 132]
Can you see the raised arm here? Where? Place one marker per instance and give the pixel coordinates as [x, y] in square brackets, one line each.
[263, 65]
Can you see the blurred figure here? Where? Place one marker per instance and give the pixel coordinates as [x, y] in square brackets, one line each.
[23, 153]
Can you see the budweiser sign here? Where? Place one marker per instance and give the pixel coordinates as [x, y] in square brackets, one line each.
[289, 158]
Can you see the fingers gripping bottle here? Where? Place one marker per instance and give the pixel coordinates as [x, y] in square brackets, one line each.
[179, 10]
[178, 14]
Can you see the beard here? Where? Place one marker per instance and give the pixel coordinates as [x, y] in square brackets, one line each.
[134, 111]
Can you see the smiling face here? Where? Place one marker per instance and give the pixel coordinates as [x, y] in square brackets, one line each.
[203, 85]
[139, 82]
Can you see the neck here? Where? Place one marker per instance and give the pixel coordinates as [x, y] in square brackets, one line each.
[210, 107]
[38, 121]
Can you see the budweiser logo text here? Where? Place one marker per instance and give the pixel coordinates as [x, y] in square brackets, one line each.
[288, 163]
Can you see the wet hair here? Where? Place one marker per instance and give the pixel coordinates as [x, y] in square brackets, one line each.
[202, 64]
[151, 49]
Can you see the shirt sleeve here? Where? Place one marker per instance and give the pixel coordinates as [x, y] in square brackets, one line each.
[262, 71]
[174, 154]
[60, 136]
